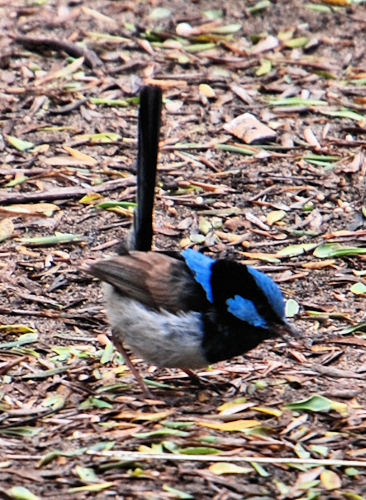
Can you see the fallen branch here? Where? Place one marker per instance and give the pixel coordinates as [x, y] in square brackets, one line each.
[137, 456]
[72, 49]
[65, 193]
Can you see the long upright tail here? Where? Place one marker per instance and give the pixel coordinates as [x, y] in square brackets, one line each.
[148, 142]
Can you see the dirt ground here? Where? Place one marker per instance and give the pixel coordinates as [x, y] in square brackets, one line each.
[73, 422]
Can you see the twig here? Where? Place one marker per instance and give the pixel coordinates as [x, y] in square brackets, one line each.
[132, 456]
[65, 193]
[72, 49]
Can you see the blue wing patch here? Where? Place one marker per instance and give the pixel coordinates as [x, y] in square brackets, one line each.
[245, 310]
[200, 264]
[271, 291]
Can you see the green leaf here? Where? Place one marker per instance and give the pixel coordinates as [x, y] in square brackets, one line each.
[101, 138]
[259, 6]
[45, 373]
[321, 159]
[178, 425]
[358, 288]
[261, 471]
[91, 402]
[99, 101]
[160, 432]
[318, 8]
[57, 401]
[199, 47]
[159, 13]
[336, 250]
[264, 68]
[298, 42]
[296, 101]
[107, 353]
[352, 496]
[27, 338]
[58, 238]
[213, 14]
[92, 487]
[294, 250]
[113, 204]
[228, 29]
[314, 403]
[86, 474]
[174, 493]
[199, 450]
[236, 149]
[21, 493]
[345, 113]
[359, 327]
[21, 431]
[19, 144]
[292, 308]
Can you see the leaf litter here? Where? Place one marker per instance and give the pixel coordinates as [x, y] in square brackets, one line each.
[262, 159]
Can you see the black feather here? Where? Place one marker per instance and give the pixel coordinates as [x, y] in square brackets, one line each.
[147, 157]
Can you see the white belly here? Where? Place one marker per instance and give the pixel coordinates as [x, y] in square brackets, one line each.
[160, 337]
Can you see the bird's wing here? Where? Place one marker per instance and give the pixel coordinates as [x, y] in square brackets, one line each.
[156, 280]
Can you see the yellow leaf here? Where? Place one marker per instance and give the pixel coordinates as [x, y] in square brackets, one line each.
[82, 157]
[268, 411]
[341, 3]
[63, 161]
[236, 425]
[89, 198]
[206, 90]
[270, 257]
[330, 480]
[31, 209]
[341, 408]
[139, 415]
[275, 216]
[227, 468]
[231, 407]
[6, 229]
[319, 264]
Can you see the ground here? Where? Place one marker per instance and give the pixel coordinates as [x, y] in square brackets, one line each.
[73, 421]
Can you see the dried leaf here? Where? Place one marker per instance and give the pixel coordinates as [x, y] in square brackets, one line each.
[330, 480]
[21, 493]
[228, 468]
[206, 90]
[249, 129]
[36, 209]
[275, 216]
[6, 228]
[236, 425]
[175, 493]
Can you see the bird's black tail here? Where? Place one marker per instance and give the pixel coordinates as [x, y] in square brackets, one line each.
[148, 142]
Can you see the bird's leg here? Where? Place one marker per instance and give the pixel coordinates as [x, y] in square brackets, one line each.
[192, 375]
[203, 382]
[130, 365]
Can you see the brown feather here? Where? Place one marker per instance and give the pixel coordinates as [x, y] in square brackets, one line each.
[157, 280]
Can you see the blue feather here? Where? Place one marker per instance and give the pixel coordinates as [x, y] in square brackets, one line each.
[245, 310]
[271, 291]
[200, 264]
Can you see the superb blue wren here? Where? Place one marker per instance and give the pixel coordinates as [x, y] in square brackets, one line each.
[182, 310]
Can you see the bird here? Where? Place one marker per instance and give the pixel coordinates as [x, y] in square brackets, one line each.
[182, 310]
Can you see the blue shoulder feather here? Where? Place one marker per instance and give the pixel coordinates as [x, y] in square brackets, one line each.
[271, 291]
[200, 265]
[245, 310]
